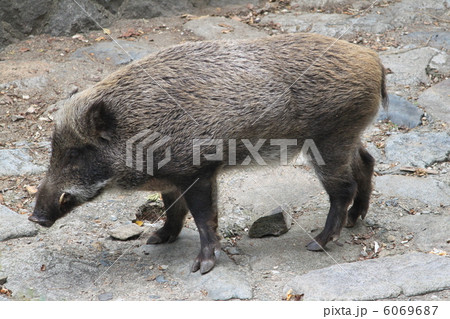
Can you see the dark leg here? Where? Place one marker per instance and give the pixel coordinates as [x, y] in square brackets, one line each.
[337, 179]
[176, 210]
[200, 199]
[362, 167]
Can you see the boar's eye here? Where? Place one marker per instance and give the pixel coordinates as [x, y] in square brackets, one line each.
[73, 153]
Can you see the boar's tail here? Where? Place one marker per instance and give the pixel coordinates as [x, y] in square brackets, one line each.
[384, 95]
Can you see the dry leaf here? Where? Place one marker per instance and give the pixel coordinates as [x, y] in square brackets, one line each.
[5, 291]
[31, 189]
[139, 223]
[294, 297]
[106, 31]
[100, 39]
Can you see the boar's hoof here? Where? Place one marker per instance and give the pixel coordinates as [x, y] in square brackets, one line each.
[315, 246]
[206, 260]
[161, 236]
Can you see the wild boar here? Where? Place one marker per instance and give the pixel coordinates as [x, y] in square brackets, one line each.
[301, 87]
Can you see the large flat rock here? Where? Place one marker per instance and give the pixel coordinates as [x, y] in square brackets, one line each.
[418, 149]
[436, 101]
[119, 52]
[408, 67]
[17, 162]
[13, 225]
[218, 28]
[426, 190]
[375, 279]
[332, 25]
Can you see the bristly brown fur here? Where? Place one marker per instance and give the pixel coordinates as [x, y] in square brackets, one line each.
[300, 86]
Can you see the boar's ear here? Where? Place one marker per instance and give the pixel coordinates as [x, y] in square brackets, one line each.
[101, 121]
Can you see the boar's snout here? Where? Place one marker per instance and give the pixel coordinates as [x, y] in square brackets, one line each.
[37, 217]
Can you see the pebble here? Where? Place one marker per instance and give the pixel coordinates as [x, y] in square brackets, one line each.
[275, 224]
[154, 297]
[160, 279]
[391, 238]
[105, 296]
[125, 232]
[3, 280]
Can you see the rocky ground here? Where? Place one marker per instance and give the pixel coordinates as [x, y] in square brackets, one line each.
[399, 252]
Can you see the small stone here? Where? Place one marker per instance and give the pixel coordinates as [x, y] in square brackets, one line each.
[232, 250]
[160, 279]
[391, 238]
[163, 267]
[363, 253]
[275, 224]
[125, 232]
[3, 280]
[105, 296]
[154, 297]
[16, 118]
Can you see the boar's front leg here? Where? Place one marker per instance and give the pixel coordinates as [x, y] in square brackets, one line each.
[176, 211]
[201, 201]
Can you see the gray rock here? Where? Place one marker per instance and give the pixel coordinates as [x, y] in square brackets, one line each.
[408, 67]
[25, 16]
[210, 28]
[326, 24]
[3, 280]
[225, 282]
[105, 296]
[13, 225]
[439, 40]
[17, 162]
[125, 232]
[426, 190]
[430, 231]
[397, 15]
[418, 149]
[373, 279]
[69, 17]
[441, 63]
[436, 101]
[122, 52]
[275, 224]
[401, 112]
[32, 83]
[321, 4]
[160, 279]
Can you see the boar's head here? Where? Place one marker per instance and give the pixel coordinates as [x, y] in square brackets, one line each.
[81, 160]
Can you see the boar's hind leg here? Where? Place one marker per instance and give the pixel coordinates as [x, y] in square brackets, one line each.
[337, 179]
[200, 199]
[176, 210]
[362, 167]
